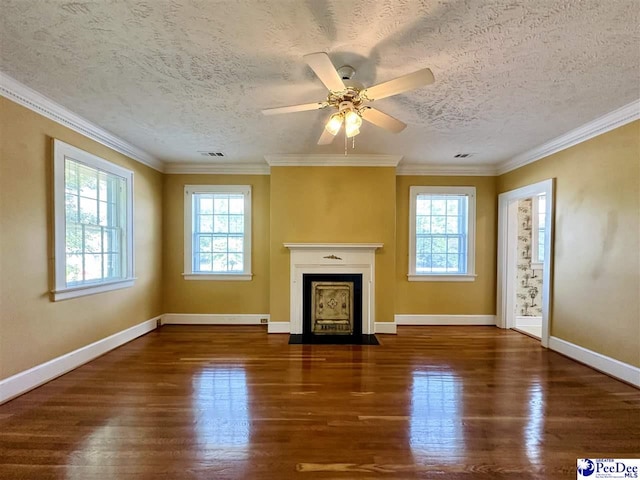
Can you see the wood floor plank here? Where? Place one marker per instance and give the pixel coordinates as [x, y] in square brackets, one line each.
[217, 402]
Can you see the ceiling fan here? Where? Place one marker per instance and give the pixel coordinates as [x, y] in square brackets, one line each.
[350, 98]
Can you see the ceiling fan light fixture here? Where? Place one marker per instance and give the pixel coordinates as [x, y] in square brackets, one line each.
[352, 119]
[351, 130]
[334, 123]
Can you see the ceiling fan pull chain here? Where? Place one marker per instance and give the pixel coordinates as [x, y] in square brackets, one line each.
[345, 143]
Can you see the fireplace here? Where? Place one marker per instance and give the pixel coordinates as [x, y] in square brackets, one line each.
[332, 293]
[332, 304]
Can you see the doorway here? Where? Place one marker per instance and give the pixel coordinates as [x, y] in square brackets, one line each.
[525, 258]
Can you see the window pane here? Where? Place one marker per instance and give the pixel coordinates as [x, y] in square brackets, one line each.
[423, 206]
[88, 211]
[236, 204]
[452, 206]
[205, 223]
[206, 204]
[103, 186]
[438, 224]
[438, 262]
[111, 240]
[204, 262]
[220, 262]
[439, 245]
[88, 181]
[71, 207]
[74, 238]
[103, 213]
[423, 244]
[235, 262]
[452, 224]
[541, 245]
[221, 204]
[439, 207]
[71, 176]
[220, 223]
[92, 239]
[452, 263]
[453, 245]
[219, 244]
[205, 244]
[113, 266]
[74, 268]
[236, 244]
[92, 266]
[423, 224]
[236, 223]
[423, 262]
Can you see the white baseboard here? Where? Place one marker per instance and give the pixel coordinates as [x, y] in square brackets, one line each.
[34, 377]
[279, 327]
[602, 363]
[528, 321]
[212, 319]
[445, 319]
[386, 327]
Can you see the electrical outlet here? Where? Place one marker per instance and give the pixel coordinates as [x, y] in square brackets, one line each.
[263, 320]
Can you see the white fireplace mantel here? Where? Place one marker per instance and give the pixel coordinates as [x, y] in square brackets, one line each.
[339, 258]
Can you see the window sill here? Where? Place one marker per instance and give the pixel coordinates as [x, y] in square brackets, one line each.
[441, 278]
[81, 291]
[218, 276]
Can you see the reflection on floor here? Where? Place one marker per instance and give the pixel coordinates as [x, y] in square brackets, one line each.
[214, 402]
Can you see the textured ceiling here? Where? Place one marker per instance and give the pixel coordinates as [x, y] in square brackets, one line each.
[178, 76]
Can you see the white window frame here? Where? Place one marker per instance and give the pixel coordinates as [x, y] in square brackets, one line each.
[189, 191]
[470, 276]
[62, 151]
[536, 263]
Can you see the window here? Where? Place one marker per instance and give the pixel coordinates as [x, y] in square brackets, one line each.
[93, 209]
[537, 231]
[217, 234]
[442, 234]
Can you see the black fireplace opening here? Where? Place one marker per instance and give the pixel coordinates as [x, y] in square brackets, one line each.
[332, 310]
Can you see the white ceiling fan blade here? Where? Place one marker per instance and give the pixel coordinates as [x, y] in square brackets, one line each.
[401, 84]
[382, 120]
[321, 64]
[326, 138]
[294, 108]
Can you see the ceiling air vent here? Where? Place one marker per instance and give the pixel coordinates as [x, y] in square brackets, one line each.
[212, 154]
[462, 155]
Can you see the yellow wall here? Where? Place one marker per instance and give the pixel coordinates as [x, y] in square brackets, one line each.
[223, 297]
[33, 329]
[596, 271]
[333, 205]
[449, 298]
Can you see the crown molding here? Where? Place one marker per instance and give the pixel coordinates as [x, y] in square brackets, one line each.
[603, 124]
[312, 160]
[447, 170]
[29, 98]
[218, 169]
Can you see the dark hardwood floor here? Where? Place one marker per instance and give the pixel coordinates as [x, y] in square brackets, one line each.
[194, 402]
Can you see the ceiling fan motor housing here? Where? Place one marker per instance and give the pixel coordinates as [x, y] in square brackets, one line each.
[346, 72]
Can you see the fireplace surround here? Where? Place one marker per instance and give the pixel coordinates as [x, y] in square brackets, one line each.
[332, 259]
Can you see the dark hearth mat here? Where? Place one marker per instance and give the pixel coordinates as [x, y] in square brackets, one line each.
[299, 339]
